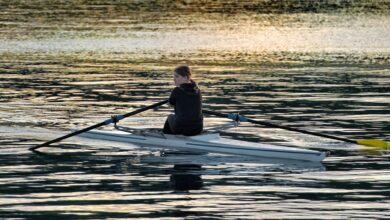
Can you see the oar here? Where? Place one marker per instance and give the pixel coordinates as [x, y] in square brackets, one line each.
[368, 142]
[106, 122]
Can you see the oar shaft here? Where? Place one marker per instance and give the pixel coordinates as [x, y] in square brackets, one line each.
[100, 124]
[301, 131]
[145, 108]
[279, 126]
[67, 136]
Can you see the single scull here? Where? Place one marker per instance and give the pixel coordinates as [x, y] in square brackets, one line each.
[209, 142]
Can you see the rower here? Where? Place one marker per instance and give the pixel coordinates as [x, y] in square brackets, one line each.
[187, 101]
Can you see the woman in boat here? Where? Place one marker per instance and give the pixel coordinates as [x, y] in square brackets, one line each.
[187, 101]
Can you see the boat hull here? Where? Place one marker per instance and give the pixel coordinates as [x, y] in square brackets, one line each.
[209, 143]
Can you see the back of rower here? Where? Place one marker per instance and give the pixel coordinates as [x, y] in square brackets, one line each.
[187, 100]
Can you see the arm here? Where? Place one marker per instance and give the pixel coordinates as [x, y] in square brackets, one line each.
[172, 97]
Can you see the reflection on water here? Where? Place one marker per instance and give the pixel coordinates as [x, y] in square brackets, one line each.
[353, 99]
[95, 183]
[76, 63]
[184, 179]
[184, 33]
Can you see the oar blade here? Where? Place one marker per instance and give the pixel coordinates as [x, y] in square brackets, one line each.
[374, 143]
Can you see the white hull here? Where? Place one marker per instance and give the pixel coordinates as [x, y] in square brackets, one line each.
[209, 143]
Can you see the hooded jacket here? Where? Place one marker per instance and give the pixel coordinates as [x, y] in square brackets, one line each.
[187, 100]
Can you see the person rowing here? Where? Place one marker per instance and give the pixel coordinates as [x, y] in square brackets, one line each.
[187, 101]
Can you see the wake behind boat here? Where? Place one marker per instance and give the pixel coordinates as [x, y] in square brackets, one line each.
[206, 142]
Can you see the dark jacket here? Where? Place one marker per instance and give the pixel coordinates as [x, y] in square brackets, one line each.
[187, 100]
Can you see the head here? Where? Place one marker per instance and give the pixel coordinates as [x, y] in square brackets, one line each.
[182, 74]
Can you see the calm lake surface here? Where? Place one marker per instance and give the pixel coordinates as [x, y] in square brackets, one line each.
[317, 67]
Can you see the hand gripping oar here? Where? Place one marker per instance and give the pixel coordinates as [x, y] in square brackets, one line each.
[106, 122]
[368, 142]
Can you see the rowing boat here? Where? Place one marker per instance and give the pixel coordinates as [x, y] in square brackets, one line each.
[208, 142]
[211, 142]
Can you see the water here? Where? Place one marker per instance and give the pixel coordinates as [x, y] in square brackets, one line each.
[319, 67]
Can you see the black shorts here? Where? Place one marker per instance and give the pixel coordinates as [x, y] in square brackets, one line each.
[184, 129]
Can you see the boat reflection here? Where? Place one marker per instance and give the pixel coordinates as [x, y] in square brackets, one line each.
[183, 177]
[190, 160]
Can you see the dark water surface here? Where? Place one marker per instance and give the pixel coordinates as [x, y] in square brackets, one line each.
[320, 67]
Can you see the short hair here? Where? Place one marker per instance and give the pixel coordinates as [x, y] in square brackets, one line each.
[183, 70]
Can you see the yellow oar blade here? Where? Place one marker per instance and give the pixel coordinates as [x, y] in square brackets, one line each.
[374, 143]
